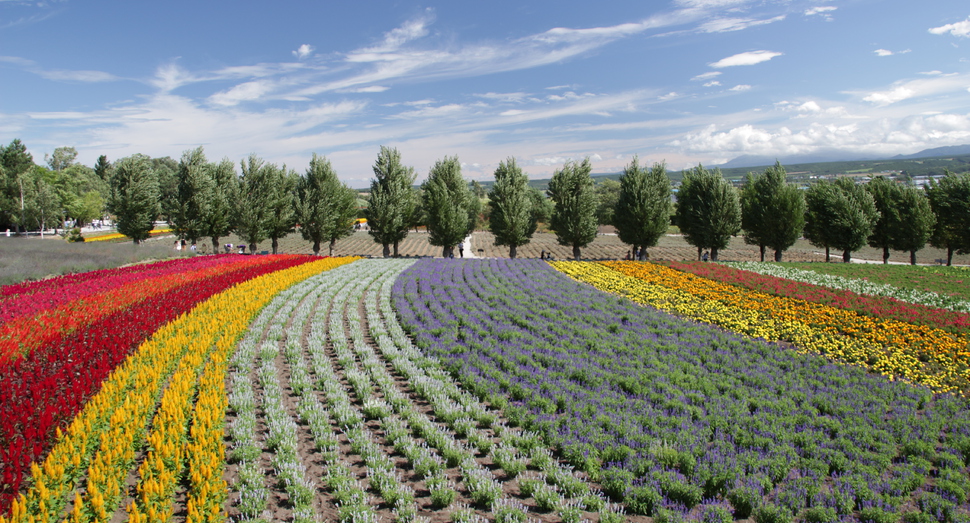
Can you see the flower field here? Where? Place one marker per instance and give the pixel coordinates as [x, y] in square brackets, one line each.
[117, 236]
[298, 388]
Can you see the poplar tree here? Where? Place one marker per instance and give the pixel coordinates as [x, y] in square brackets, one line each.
[512, 212]
[819, 212]
[839, 215]
[221, 219]
[916, 221]
[326, 208]
[280, 203]
[885, 195]
[134, 197]
[447, 201]
[643, 207]
[708, 210]
[251, 209]
[392, 200]
[574, 217]
[772, 211]
[189, 211]
[950, 201]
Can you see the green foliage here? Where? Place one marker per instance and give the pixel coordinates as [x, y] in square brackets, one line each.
[221, 219]
[392, 200]
[266, 208]
[607, 196]
[772, 211]
[643, 205]
[708, 209]
[950, 201]
[134, 197]
[61, 159]
[513, 216]
[326, 208]
[574, 217]
[74, 236]
[188, 212]
[771, 514]
[103, 168]
[448, 203]
[840, 215]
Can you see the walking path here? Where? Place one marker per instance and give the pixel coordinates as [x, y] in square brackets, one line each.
[468, 248]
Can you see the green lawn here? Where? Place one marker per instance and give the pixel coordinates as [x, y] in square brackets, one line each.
[953, 281]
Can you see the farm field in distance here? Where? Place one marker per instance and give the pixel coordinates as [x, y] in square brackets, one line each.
[300, 388]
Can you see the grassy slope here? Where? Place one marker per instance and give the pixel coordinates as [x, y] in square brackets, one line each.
[953, 281]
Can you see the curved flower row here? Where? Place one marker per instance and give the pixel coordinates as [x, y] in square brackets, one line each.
[875, 306]
[34, 297]
[919, 354]
[119, 236]
[22, 335]
[101, 442]
[856, 285]
[48, 387]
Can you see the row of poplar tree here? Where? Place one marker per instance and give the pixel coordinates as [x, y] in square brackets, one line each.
[205, 199]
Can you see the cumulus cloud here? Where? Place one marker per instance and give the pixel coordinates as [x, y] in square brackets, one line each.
[714, 83]
[892, 96]
[883, 52]
[303, 51]
[959, 29]
[741, 87]
[748, 58]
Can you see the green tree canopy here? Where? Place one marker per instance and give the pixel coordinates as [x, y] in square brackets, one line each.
[839, 215]
[643, 205]
[62, 158]
[326, 208]
[915, 221]
[885, 194]
[392, 200]
[448, 203]
[134, 197]
[772, 211]
[188, 212]
[512, 217]
[607, 194]
[574, 217]
[220, 221]
[950, 201]
[708, 210]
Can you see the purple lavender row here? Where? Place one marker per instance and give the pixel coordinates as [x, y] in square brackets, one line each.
[681, 420]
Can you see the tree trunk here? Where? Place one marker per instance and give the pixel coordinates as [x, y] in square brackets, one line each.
[827, 257]
[949, 256]
[333, 244]
[136, 241]
[778, 253]
[846, 256]
[512, 249]
[912, 257]
[252, 248]
[387, 250]
[396, 253]
[276, 244]
[885, 255]
[576, 253]
[445, 251]
[762, 247]
[698, 254]
[714, 255]
[316, 247]
[215, 245]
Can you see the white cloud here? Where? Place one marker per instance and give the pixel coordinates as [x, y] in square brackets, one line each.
[303, 51]
[669, 96]
[892, 96]
[723, 25]
[371, 89]
[748, 58]
[241, 93]
[959, 29]
[932, 73]
[822, 9]
[714, 83]
[883, 52]
[517, 97]
[741, 87]
[170, 77]
[707, 76]
[512, 112]
[78, 76]
[921, 87]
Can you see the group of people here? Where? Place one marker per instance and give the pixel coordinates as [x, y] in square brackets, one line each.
[180, 246]
[640, 254]
[229, 246]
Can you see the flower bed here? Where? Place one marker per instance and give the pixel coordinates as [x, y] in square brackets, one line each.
[679, 419]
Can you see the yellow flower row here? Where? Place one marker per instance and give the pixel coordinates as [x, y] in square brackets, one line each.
[119, 236]
[764, 316]
[112, 426]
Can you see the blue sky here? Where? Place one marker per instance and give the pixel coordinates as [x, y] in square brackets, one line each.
[683, 81]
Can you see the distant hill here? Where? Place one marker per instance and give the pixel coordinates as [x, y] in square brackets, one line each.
[950, 150]
[748, 160]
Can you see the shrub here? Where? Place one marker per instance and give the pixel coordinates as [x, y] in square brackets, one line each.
[771, 514]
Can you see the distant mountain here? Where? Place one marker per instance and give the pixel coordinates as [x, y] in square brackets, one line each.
[950, 150]
[749, 160]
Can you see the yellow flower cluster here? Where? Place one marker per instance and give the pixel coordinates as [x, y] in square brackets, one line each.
[899, 350]
[119, 236]
[112, 426]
